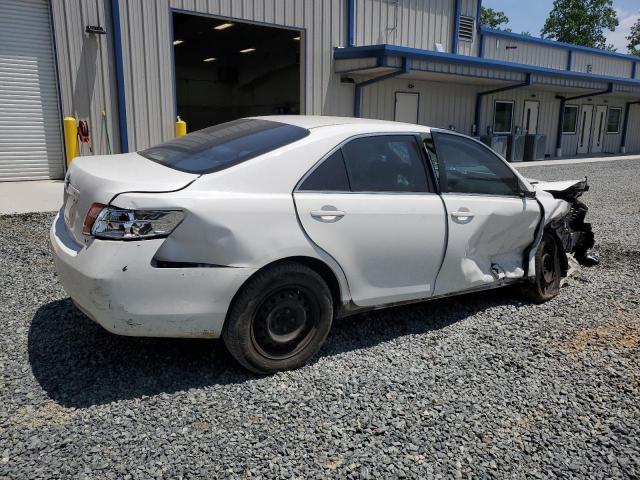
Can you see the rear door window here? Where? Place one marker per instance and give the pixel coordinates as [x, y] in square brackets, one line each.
[385, 163]
[329, 176]
[215, 148]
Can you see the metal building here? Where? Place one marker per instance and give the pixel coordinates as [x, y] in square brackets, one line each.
[130, 67]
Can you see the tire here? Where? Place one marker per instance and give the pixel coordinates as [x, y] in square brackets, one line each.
[548, 271]
[279, 319]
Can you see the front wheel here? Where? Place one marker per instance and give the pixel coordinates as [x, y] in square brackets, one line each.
[280, 319]
[548, 271]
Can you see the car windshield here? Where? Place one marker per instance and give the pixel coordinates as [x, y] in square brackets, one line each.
[222, 146]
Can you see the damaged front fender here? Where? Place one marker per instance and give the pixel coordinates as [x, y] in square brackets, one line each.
[566, 217]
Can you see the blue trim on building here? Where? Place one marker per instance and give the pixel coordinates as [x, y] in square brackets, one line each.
[351, 23]
[570, 60]
[553, 43]
[119, 67]
[357, 98]
[479, 15]
[456, 28]
[393, 50]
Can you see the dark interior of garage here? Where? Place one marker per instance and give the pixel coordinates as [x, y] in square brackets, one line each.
[226, 70]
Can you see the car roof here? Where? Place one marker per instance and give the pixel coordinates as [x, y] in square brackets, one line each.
[317, 121]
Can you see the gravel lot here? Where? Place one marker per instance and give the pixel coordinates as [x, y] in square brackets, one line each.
[478, 386]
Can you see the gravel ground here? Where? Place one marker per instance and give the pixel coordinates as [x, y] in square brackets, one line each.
[477, 386]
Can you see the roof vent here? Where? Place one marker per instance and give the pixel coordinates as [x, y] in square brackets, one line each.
[466, 28]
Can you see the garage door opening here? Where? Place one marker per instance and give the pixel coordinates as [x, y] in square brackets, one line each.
[225, 69]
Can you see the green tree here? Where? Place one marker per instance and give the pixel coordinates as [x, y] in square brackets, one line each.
[634, 39]
[581, 22]
[492, 18]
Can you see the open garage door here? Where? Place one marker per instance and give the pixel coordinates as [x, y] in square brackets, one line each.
[30, 132]
[226, 69]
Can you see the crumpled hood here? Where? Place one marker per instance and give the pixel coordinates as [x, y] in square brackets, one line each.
[564, 189]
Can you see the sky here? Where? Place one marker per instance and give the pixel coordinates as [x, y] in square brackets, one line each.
[529, 16]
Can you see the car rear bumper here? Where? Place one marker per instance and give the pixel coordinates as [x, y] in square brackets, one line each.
[115, 284]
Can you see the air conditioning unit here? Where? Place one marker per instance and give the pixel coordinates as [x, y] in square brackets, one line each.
[515, 151]
[498, 143]
[535, 147]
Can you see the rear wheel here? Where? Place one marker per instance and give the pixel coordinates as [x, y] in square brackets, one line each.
[548, 271]
[280, 319]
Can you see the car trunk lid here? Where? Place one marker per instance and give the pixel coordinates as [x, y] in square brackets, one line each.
[98, 179]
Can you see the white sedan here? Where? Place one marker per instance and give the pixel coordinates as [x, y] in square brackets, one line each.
[263, 230]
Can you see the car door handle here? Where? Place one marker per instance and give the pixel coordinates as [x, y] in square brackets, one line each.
[463, 215]
[327, 214]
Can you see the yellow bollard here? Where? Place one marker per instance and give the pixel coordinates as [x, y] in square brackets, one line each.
[70, 138]
[181, 127]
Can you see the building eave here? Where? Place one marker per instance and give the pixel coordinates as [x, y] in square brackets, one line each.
[386, 50]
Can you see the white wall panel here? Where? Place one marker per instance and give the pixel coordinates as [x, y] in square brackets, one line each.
[440, 104]
[85, 65]
[601, 65]
[410, 23]
[519, 51]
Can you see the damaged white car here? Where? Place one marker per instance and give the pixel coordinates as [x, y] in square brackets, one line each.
[263, 230]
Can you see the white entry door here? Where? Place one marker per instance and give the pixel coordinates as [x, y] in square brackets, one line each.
[530, 117]
[598, 128]
[407, 107]
[584, 135]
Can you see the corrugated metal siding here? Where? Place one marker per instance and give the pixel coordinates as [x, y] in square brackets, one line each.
[601, 65]
[147, 44]
[568, 82]
[30, 134]
[85, 65]
[440, 104]
[409, 23]
[355, 64]
[527, 53]
[466, 70]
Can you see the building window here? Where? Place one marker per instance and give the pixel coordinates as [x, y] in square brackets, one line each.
[503, 117]
[570, 119]
[613, 120]
[466, 27]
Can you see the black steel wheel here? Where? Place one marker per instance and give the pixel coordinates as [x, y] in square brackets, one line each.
[285, 321]
[279, 319]
[548, 271]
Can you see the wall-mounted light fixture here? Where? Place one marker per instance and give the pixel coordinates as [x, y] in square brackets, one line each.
[95, 30]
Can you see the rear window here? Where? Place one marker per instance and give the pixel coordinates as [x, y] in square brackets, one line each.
[222, 146]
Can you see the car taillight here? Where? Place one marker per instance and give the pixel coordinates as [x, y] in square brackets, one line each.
[92, 214]
[122, 224]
